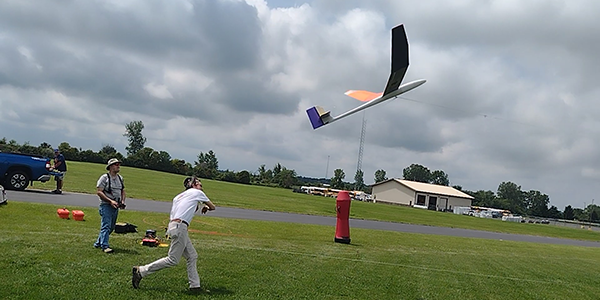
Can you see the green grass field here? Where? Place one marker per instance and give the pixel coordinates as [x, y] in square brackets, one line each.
[44, 257]
[145, 184]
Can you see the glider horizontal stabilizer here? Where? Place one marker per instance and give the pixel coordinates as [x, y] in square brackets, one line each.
[318, 116]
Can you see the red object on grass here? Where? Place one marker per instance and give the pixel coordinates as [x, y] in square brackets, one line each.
[342, 226]
[63, 213]
[78, 215]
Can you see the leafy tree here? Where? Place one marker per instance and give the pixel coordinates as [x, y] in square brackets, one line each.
[211, 160]
[90, 156]
[207, 165]
[133, 132]
[568, 213]
[501, 204]
[359, 182]
[242, 177]
[227, 175]
[161, 161]
[439, 177]
[513, 194]
[70, 153]
[484, 198]
[416, 172]
[276, 169]
[580, 215]
[487, 199]
[27, 148]
[380, 176]
[141, 159]
[591, 213]
[179, 166]
[13, 146]
[108, 150]
[286, 178]
[347, 186]
[537, 203]
[264, 176]
[554, 213]
[337, 181]
[148, 158]
[45, 149]
[3, 144]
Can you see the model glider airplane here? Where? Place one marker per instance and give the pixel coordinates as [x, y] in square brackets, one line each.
[319, 117]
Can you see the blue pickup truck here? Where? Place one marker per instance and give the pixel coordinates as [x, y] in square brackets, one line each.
[17, 170]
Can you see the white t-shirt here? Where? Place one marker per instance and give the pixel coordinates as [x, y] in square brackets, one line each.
[184, 204]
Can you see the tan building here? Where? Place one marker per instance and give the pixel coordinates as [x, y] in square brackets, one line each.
[418, 194]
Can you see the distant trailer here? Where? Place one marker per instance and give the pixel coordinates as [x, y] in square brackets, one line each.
[512, 218]
[461, 210]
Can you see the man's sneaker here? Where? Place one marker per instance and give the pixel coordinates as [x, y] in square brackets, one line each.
[199, 290]
[108, 250]
[136, 277]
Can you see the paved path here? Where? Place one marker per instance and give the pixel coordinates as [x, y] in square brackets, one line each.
[87, 200]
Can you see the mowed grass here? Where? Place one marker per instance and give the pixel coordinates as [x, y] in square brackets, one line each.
[44, 257]
[153, 185]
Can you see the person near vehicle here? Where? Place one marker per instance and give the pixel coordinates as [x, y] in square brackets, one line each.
[111, 191]
[60, 168]
[2, 196]
[185, 205]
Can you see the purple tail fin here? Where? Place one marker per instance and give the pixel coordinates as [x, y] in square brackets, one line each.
[314, 117]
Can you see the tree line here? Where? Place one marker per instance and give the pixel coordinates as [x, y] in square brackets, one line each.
[509, 195]
[140, 156]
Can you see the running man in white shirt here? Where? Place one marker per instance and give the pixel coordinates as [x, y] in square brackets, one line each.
[184, 206]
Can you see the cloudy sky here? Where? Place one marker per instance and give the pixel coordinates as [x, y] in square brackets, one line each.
[511, 92]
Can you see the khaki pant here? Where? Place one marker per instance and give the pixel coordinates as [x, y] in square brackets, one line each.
[181, 245]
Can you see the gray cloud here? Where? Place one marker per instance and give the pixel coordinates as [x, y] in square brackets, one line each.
[510, 95]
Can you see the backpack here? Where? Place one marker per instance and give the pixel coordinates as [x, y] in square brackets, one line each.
[108, 189]
[125, 227]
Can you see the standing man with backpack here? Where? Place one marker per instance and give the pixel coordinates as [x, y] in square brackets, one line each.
[111, 191]
[60, 165]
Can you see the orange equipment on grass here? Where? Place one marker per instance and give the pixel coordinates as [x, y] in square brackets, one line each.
[63, 213]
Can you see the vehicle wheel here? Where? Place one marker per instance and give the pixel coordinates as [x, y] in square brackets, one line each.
[17, 180]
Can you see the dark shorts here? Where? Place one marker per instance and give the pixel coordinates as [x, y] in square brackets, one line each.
[59, 175]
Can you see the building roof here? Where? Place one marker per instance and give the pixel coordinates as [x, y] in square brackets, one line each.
[429, 188]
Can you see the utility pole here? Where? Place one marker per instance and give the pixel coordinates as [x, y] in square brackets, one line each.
[591, 210]
[327, 169]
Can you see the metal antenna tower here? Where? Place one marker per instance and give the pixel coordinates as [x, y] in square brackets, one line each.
[362, 144]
